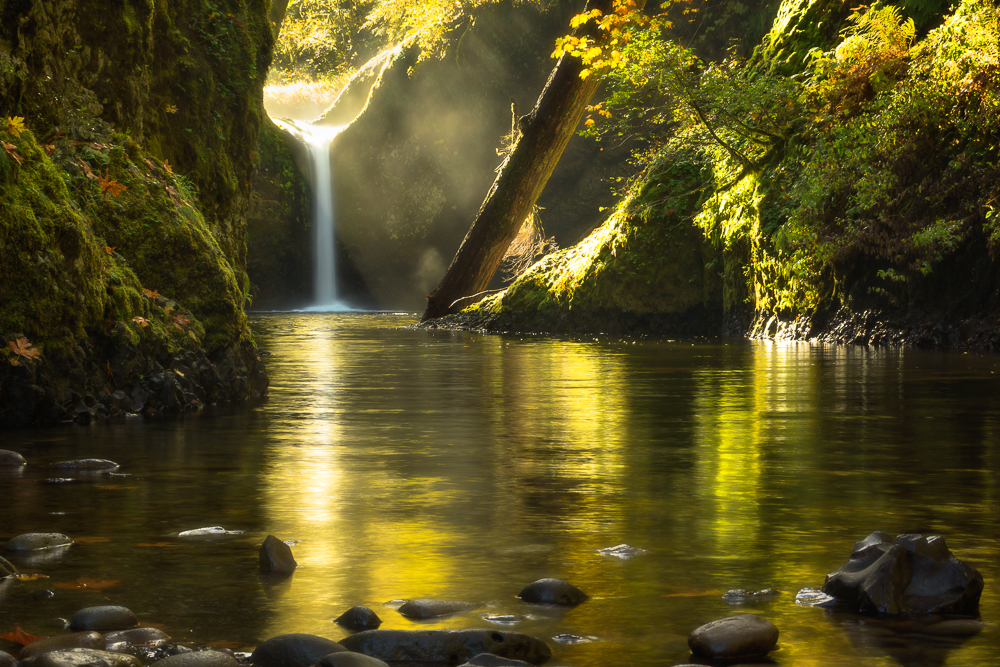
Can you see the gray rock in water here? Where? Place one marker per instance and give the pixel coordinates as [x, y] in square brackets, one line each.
[910, 574]
[7, 660]
[490, 660]
[743, 596]
[36, 542]
[81, 657]
[349, 659]
[62, 642]
[208, 532]
[553, 591]
[136, 636]
[294, 650]
[276, 557]
[433, 608]
[199, 659]
[743, 636]
[9, 458]
[106, 617]
[446, 645]
[359, 618]
[85, 464]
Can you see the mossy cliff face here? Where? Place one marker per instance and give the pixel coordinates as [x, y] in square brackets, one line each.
[122, 210]
[875, 221]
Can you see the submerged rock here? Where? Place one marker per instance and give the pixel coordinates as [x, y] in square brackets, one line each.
[743, 636]
[294, 650]
[199, 659]
[85, 465]
[276, 557]
[12, 459]
[553, 591]
[910, 574]
[350, 659]
[359, 618]
[814, 597]
[36, 542]
[81, 657]
[74, 640]
[106, 617]
[424, 608]
[7, 660]
[742, 596]
[622, 551]
[446, 645]
[490, 660]
[209, 531]
[136, 636]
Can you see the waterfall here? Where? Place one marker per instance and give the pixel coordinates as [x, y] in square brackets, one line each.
[317, 139]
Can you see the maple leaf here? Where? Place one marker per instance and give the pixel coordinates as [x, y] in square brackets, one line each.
[21, 637]
[142, 321]
[9, 150]
[109, 185]
[49, 149]
[180, 321]
[166, 165]
[110, 249]
[15, 125]
[98, 147]
[170, 108]
[152, 294]
[22, 348]
[88, 172]
[30, 577]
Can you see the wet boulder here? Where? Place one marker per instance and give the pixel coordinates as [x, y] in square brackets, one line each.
[7, 660]
[446, 645]
[11, 459]
[743, 636]
[490, 660]
[294, 650]
[553, 591]
[105, 617]
[909, 574]
[27, 542]
[73, 640]
[359, 618]
[276, 557]
[81, 657]
[424, 608]
[199, 659]
[350, 659]
[136, 636]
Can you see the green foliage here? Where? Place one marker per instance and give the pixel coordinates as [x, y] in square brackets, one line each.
[321, 37]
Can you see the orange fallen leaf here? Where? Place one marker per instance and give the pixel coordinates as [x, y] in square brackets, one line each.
[88, 584]
[157, 544]
[30, 577]
[21, 637]
[152, 294]
[92, 540]
[110, 249]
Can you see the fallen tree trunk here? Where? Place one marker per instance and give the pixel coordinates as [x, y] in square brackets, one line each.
[543, 135]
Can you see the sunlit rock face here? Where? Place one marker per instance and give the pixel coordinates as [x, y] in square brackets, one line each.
[420, 152]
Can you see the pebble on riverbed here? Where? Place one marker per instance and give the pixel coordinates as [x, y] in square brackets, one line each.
[81, 657]
[12, 459]
[358, 619]
[36, 542]
[73, 640]
[105, 617]
[743, 636]
[7, 660]
[424, 608]
[553, 591]
[294, 650]
[199, 659]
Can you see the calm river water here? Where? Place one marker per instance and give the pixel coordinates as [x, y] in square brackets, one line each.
[453, 465]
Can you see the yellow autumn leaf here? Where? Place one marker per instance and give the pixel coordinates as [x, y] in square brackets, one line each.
[15, 125]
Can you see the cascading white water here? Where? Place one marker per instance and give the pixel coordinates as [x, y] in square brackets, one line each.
[317, 140]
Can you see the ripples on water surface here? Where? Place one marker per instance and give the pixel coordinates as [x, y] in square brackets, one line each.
[454, 465]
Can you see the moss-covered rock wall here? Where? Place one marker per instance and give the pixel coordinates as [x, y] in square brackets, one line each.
[130, 138]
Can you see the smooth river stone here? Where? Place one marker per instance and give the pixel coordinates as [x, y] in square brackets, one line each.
[9, 458]
[62, 642]
[490, 660]
[81, 657]
[359, 618]
[433, 608]
[36, 542]
[446, 645]
[743, 636]
[276, 557]
[85, 464]
[199, 659]
[294, 650]
[107, 617]
[553, 591]
[136, 636]
[349, 659]
[7, 660]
